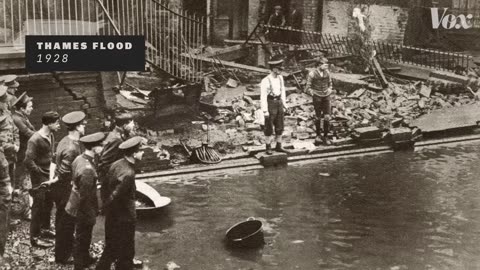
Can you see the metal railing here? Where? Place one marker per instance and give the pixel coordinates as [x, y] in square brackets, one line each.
[171, 35]
[19, 18]
[336, 45]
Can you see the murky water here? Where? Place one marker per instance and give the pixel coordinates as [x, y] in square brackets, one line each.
[413, 210]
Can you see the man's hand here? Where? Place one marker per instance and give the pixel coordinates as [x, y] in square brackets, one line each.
[16, 147]
[266, 114]
[49, 182]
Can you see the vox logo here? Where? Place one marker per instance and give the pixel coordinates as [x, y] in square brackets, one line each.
[450, 21]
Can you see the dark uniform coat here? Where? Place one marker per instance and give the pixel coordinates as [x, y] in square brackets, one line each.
[67, 151]
[25, 131]
[109, 155]
[120, 217]
[121, 189]
[83, 203]
[9, 137]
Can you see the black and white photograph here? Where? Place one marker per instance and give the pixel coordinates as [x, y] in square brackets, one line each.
[240, 134]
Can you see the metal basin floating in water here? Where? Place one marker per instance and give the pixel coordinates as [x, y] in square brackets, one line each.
[148, 199]
[246, 234]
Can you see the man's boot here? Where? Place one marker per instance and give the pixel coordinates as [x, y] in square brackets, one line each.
[269, 149]
[318, 131]
[279, 148]
[326, 128]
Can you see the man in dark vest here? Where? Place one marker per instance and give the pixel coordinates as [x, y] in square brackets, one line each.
[82, 204]
[119, 207]
[319, 86]
[67, 150]
[38, 157]
[273, 104]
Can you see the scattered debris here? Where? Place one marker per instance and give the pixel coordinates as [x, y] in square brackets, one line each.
[171, 266]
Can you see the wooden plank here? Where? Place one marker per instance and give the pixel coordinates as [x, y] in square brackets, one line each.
[230, 64]
[380, 72]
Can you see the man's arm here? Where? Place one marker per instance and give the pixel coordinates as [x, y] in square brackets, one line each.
[30, 156]
[4, 135]
[309, 83]
[125, 183]
[64, 160]
[263, 97]
[16, 136]
[109, 154]
[283, 94]
[23, 129]
[86, 182]
[330, 83]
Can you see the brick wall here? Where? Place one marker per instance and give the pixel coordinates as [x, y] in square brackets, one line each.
[310, 14]
[66, 92]
[389, 21]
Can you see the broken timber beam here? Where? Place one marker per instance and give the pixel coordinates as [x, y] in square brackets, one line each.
[378, 68]
[230, 64]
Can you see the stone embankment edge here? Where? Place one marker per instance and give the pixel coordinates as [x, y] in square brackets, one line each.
[251, 163]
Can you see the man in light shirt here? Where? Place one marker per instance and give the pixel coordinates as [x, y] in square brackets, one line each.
[273, 104]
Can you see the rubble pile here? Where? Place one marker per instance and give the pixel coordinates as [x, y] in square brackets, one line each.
[19, 253]
[396, 105]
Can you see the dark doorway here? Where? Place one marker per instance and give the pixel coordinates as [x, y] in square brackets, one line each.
[196, 6]
[319, 19]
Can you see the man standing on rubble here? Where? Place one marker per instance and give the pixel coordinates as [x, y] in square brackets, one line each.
[119, 208]
[319, 86]
[273, 104]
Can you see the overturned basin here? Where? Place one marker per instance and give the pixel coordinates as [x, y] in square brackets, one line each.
[246, 234]
[148, 200]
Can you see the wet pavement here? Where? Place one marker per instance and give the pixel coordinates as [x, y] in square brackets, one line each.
[409, 210]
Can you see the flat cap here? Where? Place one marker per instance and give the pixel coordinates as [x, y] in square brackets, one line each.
[321, 60]
[130, 143]
[22, 99]
[10, 80]
[73, 118]
[275, 61]
[93, 138]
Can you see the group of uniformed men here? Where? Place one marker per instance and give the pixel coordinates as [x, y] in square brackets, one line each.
[68, 177]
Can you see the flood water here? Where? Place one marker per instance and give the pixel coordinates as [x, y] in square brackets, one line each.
[410, 210]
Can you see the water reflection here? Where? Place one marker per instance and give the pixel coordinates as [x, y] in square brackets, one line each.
[411, 210]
